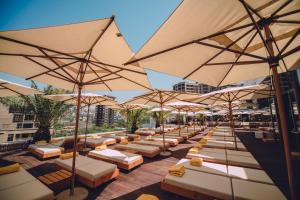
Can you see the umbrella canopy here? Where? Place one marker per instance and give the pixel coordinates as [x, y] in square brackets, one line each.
[8, 88]
[89, 53]
[220, 42]
[86, 99]
[159, 110]
[80, 56]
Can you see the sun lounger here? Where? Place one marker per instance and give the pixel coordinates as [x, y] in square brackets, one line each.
[145, 132]
[22, 185]
[94, 142]
[252, 190]
[209, 156]
[172, 141]
[118, 138]
[91, 172]
[152, 143]
[242, 161]
[198, 185]
[172, 136]
[144, 150]
[45, 150]
[122, 159]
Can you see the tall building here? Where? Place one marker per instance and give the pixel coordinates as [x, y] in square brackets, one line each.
[104, 115]
[16, 124]
[193, 87]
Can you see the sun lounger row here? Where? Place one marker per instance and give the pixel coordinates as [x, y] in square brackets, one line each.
[45, 150]
[211, 181]
[144, 150]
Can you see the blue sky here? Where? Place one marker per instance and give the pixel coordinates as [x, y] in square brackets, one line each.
[137, 19]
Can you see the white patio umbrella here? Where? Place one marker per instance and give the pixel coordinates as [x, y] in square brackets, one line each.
[185, 106]
[226, 41]
[8, 88]
[231, 96]
[81, 56]
[161, 98]
[127, 108]
[87, 99]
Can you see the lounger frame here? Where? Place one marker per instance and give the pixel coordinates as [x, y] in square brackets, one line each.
[44, 155]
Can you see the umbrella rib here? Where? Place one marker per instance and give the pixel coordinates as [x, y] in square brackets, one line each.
[188, 43]
[220, 52]
[289, 42]
[231, 50]
[255, 25]
[63, 77]
[34, 56]
[239, 56]
[86, 66]
[102, 33]
[56, 63]
[292, 51]
[287, 21]
[53, 70]
[3, 85]
[99, 77]
[252, 9]
[281, 7]
[286, 14]
[237, 63]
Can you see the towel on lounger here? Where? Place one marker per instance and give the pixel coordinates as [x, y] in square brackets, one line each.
[196, 162]
[177, 170]
[194, 150]
[198, 145]
[124, 141]
[65, 156]
[203, 141]
[101, 147]
[147, 197]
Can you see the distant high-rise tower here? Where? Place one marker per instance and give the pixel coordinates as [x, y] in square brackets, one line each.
[104, 115]
[193, 87]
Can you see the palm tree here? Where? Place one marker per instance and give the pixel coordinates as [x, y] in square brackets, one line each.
[135, 118]
[47, 112]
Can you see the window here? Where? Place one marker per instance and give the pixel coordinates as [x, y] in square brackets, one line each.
[19, 125]
[18, 118]
[10, 137]
[29, 117]
[28, 125]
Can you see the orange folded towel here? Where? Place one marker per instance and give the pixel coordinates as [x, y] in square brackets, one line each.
[101, 147]
[198, 145]
[177, 170]
[147, 197]
[194, 150]
[203, 141]
[124, 141]
[196, 162]
[41, 142]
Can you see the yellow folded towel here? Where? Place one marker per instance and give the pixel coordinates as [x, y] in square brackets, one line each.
[65, 156]
[203, 141]
[9, 168]
[196, 162]
[147, 197]
[194, 150]
[101, 147]
[198, 145]
[41, 142]
[124, 141]
[177, 170]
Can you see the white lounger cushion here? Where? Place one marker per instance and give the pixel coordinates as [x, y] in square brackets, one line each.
[18, 184]
[115, 155]
[242, 160]
[45, 148]
[215, 143]
[138, 147]
[89, 168]
[239, 153]
[204, 183]
[249, 174]
[251, 190]
[214, 150]
[209, 156]
[152, 143]
[166, 139]
[208, 167]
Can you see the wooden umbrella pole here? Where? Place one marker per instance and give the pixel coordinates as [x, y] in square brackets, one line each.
[187, 125]
[86, 125]
[278, 94]
[231, 123]
[127, 121]
[194, 123]
[163, 126]
[75, 140]
[179, 121]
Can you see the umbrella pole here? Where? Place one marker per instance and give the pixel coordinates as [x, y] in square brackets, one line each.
[163, 126]
[194, 123]
[86, 125]
[179, 121]
[75, 140]
[231, 123]
[127, 121]
[187, 125]
[273, 65]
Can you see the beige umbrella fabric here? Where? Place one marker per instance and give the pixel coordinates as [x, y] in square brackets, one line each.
[161, 97]
[80, 56]
[8, 88]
